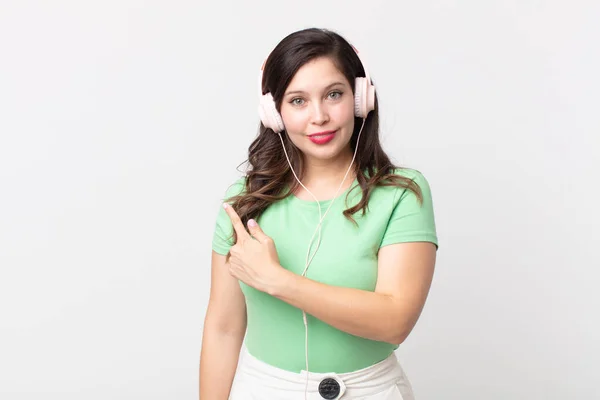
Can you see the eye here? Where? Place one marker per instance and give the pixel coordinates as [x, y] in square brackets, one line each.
[335, 95]
[297, 101]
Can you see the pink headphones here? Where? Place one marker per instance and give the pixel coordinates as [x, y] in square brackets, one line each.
[364, 100]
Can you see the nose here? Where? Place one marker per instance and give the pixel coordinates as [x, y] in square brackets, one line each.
[320, 114]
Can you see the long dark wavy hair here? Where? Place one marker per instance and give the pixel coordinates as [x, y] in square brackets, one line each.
[268, 173]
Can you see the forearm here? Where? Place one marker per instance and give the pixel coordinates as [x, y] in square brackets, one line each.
[371, 315]
[218, 363]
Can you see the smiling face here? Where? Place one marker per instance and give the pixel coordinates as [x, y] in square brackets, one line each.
[318, 111]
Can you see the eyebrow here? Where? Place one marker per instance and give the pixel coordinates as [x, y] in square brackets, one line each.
[300, 91]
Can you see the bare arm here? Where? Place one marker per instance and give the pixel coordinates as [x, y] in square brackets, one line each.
[405, 272]
[224, 330]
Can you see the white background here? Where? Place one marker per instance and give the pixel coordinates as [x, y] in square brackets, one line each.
[123, 122]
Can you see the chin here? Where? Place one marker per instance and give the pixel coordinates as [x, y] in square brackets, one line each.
[325, 153]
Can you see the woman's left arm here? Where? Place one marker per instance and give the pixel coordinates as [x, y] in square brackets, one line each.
[405, 272]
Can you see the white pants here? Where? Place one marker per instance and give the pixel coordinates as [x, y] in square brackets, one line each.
[256, 380]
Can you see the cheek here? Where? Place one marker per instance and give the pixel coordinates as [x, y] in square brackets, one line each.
[295, 121]
[345, 114]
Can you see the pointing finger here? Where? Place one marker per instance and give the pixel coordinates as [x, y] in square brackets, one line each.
[236, 222]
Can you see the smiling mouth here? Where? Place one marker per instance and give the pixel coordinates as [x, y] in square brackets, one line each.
[321, 134]
[322, 137]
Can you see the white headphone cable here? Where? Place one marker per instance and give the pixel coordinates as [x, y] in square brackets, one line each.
[318, 229]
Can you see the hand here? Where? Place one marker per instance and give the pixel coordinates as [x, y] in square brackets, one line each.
[254, 258]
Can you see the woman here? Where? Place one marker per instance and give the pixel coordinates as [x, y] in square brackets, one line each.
[324, 252]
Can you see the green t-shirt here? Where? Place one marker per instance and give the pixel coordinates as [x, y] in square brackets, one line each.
[347, 257]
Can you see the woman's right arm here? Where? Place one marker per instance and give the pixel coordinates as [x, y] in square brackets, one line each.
[224, 330]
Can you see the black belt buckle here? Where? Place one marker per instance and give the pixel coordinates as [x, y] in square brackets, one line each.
[329, 388]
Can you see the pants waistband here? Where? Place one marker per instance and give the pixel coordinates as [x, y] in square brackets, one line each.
[363, 382]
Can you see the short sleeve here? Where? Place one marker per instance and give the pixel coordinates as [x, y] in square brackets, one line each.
[410, 220]
[223, 232]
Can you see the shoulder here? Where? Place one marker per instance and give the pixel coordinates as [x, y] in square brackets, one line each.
[412, 217]
[410, 173]
[400, 189]
[415, 176]
[235, 188]
[412, 187]
[409, 178]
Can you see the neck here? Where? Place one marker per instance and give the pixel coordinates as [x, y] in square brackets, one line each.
[328, 172]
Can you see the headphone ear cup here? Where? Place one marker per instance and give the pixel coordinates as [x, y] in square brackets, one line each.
[364, 97]
[358, 96]
[269, 115]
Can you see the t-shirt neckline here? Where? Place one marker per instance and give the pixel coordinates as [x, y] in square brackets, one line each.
[312, 203]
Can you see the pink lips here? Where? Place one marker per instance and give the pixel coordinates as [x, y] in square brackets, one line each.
[322, 137]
